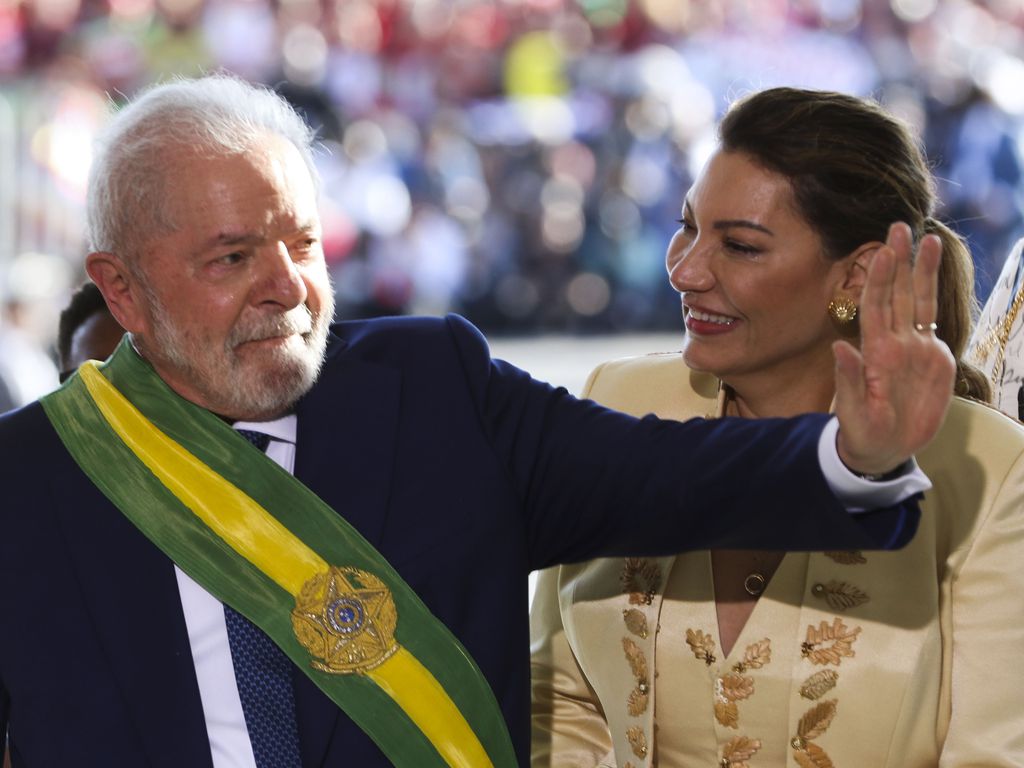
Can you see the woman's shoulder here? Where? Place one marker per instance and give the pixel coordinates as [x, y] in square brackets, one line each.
[975, 429]
[976, 465]
[657, 383]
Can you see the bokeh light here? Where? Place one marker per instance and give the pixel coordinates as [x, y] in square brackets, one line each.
[520, 161]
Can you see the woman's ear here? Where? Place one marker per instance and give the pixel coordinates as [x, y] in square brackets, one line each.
[116, 283]
[856, 267]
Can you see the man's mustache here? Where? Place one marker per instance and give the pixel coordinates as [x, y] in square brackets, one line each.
[295, 321]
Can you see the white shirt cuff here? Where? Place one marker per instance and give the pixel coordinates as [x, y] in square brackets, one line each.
[858, 494]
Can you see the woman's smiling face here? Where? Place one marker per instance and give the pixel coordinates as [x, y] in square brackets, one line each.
[754, 281]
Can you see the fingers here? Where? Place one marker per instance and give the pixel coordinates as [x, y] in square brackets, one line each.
[876, 300]
[900, 294]
[926, 280]
[900, 240]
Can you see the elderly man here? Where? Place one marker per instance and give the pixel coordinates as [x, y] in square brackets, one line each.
[356, 595]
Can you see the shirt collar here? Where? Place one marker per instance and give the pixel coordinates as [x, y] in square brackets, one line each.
[282, 429]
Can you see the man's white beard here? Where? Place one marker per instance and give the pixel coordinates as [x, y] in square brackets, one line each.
[259, 385]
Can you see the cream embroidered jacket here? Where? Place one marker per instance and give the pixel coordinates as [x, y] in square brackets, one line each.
[900, 659]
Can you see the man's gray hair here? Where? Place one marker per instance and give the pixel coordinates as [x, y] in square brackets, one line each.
[134, 155]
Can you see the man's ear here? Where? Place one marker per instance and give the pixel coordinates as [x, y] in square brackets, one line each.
[117, 285]
[857, 264]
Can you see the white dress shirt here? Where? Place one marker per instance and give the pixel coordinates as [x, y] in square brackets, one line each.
[208, 633]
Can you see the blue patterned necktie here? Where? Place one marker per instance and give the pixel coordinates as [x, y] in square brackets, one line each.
[264, 677]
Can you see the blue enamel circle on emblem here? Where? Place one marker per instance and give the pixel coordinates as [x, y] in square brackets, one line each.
[346, 615]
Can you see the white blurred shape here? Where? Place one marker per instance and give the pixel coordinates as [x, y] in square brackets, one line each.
[364, 141]
[661, 70]
[242, 37]
[388, 206]
[467, 198]
[644, 179]
[549, 120]
[304, 50]
[914, 10]
[588, 294]
[1001, 75]
[562, 227]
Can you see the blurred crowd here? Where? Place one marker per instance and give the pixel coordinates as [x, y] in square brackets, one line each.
[519, 161]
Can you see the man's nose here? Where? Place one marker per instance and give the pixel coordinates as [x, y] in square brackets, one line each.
[282, 282]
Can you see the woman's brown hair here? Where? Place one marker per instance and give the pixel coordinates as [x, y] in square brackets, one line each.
[855, 169]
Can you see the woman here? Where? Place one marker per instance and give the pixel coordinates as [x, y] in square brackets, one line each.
[737, 658]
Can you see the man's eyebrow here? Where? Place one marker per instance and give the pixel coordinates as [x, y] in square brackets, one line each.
[223, 239]
[229, 238]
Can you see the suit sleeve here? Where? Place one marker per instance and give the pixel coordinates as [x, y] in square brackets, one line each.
[595, 482]
[568, 727]
[987, 691]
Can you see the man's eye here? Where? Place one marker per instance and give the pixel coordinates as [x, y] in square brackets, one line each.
[230, 258]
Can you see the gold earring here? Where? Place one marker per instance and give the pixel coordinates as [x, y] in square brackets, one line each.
[843, 310]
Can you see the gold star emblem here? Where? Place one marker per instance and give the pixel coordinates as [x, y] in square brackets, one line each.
[346, 619]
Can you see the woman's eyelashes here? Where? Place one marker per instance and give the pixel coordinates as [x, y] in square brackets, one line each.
[688, 229]
[742, 248]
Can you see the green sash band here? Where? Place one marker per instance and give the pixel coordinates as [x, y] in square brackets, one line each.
[260, 541]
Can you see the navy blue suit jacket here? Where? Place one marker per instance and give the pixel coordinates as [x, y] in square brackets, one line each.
[464, 472]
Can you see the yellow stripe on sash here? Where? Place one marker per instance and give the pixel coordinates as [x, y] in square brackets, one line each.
[258, 537]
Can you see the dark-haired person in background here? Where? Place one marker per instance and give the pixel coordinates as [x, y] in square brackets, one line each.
[86, 331]
[908, 659]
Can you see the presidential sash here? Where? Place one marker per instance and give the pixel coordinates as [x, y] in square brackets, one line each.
[260, 541]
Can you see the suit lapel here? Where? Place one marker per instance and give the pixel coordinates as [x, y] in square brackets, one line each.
[131, 593]
[345, 448]
[345, 445]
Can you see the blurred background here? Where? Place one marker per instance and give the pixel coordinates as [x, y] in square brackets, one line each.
[521, 162]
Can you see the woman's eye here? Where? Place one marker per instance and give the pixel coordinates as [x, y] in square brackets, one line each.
[685, 227]
[738, 247]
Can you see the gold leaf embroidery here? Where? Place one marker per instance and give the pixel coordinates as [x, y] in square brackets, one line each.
[733, 687]
[756, 656]
[637, 740]
[727, 713]
[640, 578]
[739, 750]
[838, 637]
[851, 557]
[703, 646]
[812, 756]
[818, 684]
[840, 595]
[636, 703]
[817, 720]
[637, 660]
[636, 622]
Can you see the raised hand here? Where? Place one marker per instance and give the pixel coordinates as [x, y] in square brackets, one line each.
[892, 394]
